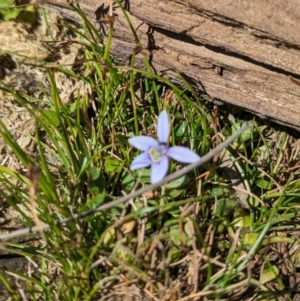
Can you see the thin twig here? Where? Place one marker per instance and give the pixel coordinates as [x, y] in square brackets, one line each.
[171, 177]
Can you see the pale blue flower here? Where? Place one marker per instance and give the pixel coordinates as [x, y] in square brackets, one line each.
[158, 153]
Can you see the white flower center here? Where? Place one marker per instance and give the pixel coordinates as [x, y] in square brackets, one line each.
[156, 154]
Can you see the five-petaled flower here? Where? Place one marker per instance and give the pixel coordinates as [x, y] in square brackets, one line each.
[157, 153]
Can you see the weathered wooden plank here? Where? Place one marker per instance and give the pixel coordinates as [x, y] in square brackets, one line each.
[232, 31]
[238, 52]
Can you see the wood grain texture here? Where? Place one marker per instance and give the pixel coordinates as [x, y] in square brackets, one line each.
[244, 53]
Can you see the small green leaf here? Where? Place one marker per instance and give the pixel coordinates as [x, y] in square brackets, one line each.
[73, 107]
[181, 130]
[144, 174]
[7, 14]
[225, 207]
[94, 202]
[8, 11]
[28, 15]
[264, 184]
[97, 182]
[269, 274]
[246, 135]
[128, 181]
[242, 221]
[174, 193]
[121, 139]
[182, 181]
[95, 172]
[250, 239]
[176, 236]
[218, 192]
[50, 118]
[174, 254]
[112, 165]
[296, 260]
[117, 210]
[222, 191]
[6, 3]
[109, 238]
[151, 224]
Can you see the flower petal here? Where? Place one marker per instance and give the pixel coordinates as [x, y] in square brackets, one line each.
[143, 143]
[182, 154]
[163, 127]
[159, 169]
[141, 161]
